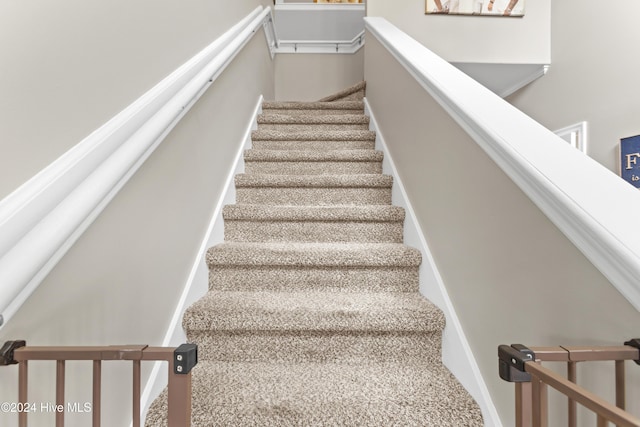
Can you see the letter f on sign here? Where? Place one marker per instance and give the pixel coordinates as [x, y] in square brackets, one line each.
[631, 160]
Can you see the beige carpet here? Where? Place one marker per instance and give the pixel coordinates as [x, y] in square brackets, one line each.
[313, 316]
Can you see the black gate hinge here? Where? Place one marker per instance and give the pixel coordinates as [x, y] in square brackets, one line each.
[185, 358]
[635, 342]
[6, 352]
[511, 361]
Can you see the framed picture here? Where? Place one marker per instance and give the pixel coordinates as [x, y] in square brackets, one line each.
[630, 160]
[475, 7]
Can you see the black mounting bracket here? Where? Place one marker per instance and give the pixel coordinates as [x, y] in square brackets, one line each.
[635, 342]
[185, 358]
[511, 361]
[6, 352]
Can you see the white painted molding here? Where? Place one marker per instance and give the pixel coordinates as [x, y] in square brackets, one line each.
[197, 283]
[43, 218]
[271, 34]
[321, 46]
[538, 72]
[456, 352]
[575, 135]
[592, 206]
[503, 79]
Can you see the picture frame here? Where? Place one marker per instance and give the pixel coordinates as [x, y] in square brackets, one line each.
[629, 149]
[506, 8]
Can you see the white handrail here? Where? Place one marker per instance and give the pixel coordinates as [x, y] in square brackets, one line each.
[20, 210]
[592, 206]
[42, 219]
[322, 46]
[307, 22]
[354, 40]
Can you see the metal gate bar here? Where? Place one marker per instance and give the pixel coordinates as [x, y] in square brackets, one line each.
[522, 365]
[180, 361]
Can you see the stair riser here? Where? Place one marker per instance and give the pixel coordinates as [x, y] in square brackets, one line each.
[312, 168]
[313, 231]
[313, 135]
[313, 145]
[315, 112]
[285, 127]
[314, 347]
[313, 196]
[330, 279]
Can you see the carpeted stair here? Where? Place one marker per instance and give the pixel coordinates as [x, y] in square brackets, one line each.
[313, 315]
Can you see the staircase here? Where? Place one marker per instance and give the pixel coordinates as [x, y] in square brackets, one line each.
[313, 315]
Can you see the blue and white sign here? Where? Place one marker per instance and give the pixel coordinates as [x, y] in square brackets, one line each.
[630, 160]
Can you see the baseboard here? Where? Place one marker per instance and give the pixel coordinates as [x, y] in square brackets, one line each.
[456, 352]
[197, 282]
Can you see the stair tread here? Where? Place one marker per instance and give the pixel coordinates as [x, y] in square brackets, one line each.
[313, 213]
[315, 135]
[314, 254]
[298, 312]
[314, 181]
[313, 156]
[311, 119]
[296, 394]
[313, 314]
[315, 105]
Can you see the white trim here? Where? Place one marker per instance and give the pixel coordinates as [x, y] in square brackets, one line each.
[539, 72]
[43, 218]
[575, 135]
[271, 35]
[321, 46]
[197, 283]
[503, 79]
[456, 352]
[592, 206]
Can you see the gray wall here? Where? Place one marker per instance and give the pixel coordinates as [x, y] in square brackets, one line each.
[593, 76]
[69, 66]
[511, 275]
[309, 77]
[121, 281]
